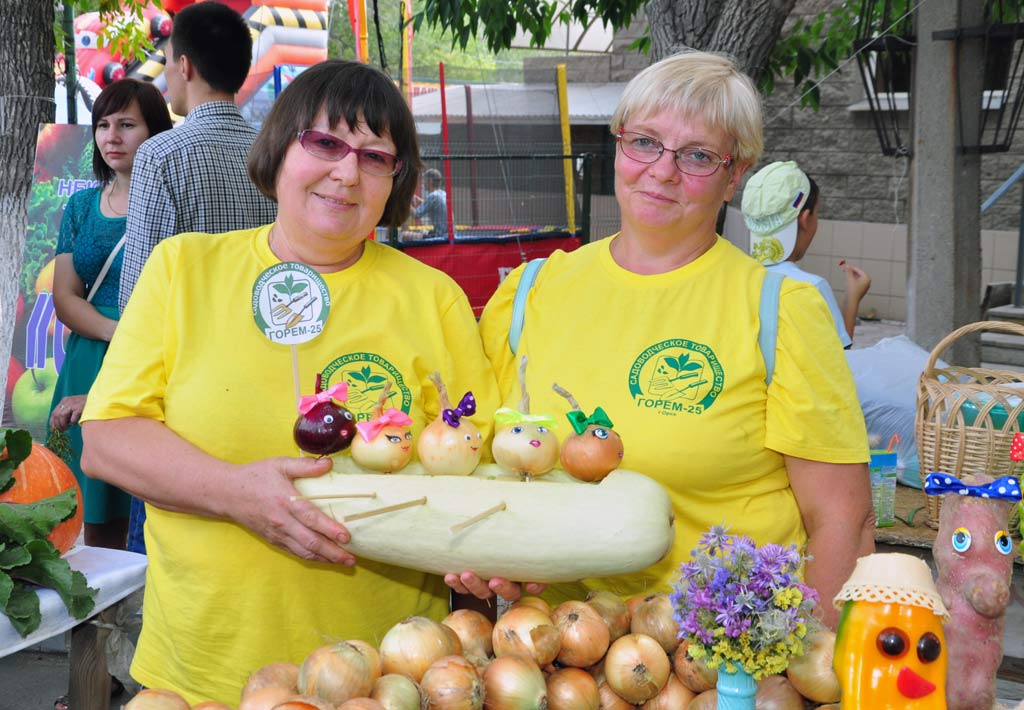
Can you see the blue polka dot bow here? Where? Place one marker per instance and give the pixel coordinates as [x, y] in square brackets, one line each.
[1005, 488]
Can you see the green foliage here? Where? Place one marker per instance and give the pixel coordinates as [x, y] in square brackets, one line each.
[810, 50]
[125, 32]
[27, 559]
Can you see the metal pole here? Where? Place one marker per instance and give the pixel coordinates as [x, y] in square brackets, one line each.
[1020, 256]
[473, 197]
[70, 70]
[585, 209]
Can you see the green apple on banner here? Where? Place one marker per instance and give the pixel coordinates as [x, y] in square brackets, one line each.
[33, 393]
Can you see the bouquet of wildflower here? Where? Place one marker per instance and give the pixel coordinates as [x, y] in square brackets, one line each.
[743, 605]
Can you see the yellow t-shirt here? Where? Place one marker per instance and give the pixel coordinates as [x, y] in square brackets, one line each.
[220, 602]
[673, 359]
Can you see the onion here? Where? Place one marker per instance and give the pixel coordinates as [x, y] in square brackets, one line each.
[655, 618]
[674, 696]
[305, 702]
[636, 668]
[597, 671]
[514, 683]
[526, 631]
[474, 631]
[396, 692]
[157, 699]
[572, 689]
[452, 683]
[693, 672]
[535, 602]
[337, 672]
[454, 638]
[812, 674]
[708, 700]
[265, 698]
[361, 704]
[211, 705]
[613, 610]
[370, 652]
[633, 602]
[584, 634]
[410, 646]
[611, 701]
[278, 675]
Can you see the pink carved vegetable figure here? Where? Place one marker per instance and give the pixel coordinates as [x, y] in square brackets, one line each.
[595, 450]
[384, 443]
[524, 443]
[451, 444]
[324, 427]
[974, 556]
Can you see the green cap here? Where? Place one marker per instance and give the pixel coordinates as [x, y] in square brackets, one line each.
[772, 200]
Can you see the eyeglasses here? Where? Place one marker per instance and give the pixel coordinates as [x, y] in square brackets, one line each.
[370, 160]
[691, 159]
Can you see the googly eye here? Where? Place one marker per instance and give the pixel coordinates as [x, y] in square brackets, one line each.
[929, 648]
[892, 642]
[347, 414]
[394, 439]
[479, 436]
[542, 430]
[1003, 542]
[517, 430]
[961, 539]
[601, 433]
[329, 419]
[469, 437]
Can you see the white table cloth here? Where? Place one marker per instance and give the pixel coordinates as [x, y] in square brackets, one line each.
[115, 573]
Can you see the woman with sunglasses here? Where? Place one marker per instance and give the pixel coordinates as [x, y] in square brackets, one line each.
[658, 325]
[194, 408]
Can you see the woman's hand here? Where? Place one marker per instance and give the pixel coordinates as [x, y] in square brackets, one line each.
[469, 583]
[267, 504]
[67, 412]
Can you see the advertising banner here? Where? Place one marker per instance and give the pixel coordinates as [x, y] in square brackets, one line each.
[63, 166]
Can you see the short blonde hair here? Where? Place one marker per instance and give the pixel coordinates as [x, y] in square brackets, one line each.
[699, 85]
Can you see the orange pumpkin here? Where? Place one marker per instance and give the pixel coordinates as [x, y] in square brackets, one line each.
[43, 475]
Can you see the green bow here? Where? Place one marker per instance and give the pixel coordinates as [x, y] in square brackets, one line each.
[510, 416]
[581, 421]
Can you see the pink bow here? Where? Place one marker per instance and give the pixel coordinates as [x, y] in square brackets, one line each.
[370, 429]
[338, 392]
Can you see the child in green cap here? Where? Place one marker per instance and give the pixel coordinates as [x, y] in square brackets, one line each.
[780, 207]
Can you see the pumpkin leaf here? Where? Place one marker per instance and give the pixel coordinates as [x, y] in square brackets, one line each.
[22, 607]
[48, 569]
[18, 443]
[25, 522]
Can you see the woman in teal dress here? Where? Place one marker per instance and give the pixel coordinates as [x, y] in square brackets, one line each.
[86, 278]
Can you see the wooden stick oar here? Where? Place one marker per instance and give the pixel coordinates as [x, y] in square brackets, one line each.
[334, 496]
[456, 529]
[385, 509]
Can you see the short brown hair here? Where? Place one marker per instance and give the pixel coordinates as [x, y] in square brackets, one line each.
[348, 90]
[118, 96]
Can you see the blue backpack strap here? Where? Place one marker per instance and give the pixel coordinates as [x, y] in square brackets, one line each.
[768, 315]
[515, 328]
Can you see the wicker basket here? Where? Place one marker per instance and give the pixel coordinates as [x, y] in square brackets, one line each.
[967, 416]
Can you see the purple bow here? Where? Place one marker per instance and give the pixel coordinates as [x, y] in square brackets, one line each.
[466, 408]
[1005, 488]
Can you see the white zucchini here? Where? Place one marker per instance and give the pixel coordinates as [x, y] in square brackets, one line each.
[553, 528]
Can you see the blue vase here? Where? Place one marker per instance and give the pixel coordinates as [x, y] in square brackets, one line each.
[736, 691]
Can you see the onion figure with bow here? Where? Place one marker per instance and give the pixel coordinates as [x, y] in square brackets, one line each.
[524, 443]
[595, 450]
[451, 445]
[384, 443]
[324, 427]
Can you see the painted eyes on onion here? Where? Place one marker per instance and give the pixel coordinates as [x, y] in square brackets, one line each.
[892, 642]
[929, 648]
[542, 430]
[961, 539]
[1003, 542]
[601, 433]
[408, 436]
[517, 430]
[394, 439]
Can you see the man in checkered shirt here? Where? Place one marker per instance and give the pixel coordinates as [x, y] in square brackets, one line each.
[194, 178]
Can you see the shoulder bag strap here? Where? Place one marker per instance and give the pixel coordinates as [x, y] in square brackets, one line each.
[106, 267]
[768, 315]
[515, 328]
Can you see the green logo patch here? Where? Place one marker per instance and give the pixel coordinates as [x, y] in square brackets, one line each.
[676, 375]
[366, 375]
